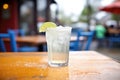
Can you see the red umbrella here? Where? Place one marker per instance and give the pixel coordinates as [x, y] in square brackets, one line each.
[112, 8]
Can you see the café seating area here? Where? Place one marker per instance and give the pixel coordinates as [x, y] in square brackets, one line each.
[114, 36]
[11, 35]
[80, 40]
[83, 41]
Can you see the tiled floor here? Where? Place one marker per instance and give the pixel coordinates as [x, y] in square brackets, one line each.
[110, 52]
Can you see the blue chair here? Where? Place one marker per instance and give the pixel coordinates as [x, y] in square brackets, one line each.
[24, 48]
[89, 36]
[74, 45]
[79, 44]
[19, 32]
[11, 36]
[113, 40]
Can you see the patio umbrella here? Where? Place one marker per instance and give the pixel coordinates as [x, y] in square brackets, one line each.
[112, 8]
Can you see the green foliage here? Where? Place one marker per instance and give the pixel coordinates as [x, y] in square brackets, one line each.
[86, 14]
[88, 10]
[115, 17]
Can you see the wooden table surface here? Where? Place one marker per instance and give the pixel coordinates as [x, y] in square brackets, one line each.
[37, 39]
[83, 65]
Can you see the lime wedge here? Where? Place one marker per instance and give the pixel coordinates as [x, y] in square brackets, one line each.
[46, 25]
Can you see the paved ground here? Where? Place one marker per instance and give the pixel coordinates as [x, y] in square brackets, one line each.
[110, 52]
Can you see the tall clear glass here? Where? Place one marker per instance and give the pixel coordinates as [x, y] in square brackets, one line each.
[58, 40]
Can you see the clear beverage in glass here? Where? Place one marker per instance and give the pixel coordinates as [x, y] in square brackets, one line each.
[58, 40]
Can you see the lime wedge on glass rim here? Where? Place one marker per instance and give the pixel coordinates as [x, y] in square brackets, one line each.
[46, 25]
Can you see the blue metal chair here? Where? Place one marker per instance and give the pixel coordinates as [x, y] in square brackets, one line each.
[13, 44]
[24, 48]
[113, 40]
[89, 36]
[11, 35]
[79, 44]
[19, 32]
[74, 45]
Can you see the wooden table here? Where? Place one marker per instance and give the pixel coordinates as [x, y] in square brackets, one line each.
[113, 31]
[83, 65]
[36, 39]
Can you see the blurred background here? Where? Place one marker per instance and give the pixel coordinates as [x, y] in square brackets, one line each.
[83, 14]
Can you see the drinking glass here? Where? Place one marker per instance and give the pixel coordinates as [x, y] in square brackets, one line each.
[58, 40]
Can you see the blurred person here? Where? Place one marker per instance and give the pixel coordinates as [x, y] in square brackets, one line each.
[113, 31]
[100, 35]
[107, 32]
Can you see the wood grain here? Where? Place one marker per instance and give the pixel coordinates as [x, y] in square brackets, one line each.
[83, 65]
